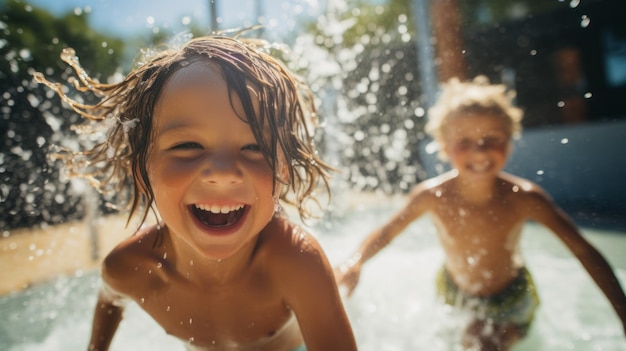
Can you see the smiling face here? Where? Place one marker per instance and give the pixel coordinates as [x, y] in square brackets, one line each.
[477, 144]
[212, 184]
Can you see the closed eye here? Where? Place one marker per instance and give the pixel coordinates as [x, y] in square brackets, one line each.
[252, 147]
[465, 144]
[494, 140]
[186, 146]
[253, 152]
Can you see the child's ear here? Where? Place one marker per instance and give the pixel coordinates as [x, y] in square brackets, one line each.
[443, 152]
[509, 148]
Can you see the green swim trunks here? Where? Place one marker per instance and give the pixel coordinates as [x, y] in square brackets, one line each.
[516, 304]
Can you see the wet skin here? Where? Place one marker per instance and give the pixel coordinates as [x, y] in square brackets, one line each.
[479, 212]
[230, 274]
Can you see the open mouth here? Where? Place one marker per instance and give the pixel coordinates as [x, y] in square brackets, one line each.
[480, 167]
[217, 216]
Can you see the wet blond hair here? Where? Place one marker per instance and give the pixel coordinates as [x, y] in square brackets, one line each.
[286, 110]
[477, 96]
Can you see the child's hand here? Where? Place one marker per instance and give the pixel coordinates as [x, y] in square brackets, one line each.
[348, 274]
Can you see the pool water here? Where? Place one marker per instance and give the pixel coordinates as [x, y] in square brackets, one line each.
[393, 308]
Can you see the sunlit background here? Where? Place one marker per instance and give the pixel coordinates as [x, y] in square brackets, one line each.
[375, 66]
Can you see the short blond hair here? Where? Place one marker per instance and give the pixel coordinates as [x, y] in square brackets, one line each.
[476, 96]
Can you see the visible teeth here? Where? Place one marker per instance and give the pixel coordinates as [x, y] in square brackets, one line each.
[480, 167]
[219, 209]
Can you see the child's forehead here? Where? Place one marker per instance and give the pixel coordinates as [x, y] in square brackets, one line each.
[478, 116]
[195, 73]
[204, 76]
[476, 122]
[192, 88]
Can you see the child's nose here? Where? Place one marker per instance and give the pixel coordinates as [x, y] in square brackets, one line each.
[479, 148]
[221, 169]
[480, 145]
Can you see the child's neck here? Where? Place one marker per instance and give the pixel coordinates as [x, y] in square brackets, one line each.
[204, 271]
[477, 190]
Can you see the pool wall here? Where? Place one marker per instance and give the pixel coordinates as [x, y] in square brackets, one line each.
[582, 166]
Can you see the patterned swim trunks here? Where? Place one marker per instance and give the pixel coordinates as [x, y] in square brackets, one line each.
[515, 304]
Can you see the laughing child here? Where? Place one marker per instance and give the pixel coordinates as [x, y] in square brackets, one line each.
[209, 137]
[479, 212]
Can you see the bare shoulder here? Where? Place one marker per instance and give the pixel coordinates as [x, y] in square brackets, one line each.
[524, 193]
[289, 250]
[128, 257]
[435, 183]
[284, 240]
[431, 189]
[299, 269]
[521, 185]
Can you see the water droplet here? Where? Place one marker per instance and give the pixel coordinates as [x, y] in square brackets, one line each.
[540, 172]
[588, 95]
[142, 300]
[159, 265]
[564, 141]
[585, 21]
[419, 112]
[191, 262]
[191, 339]
[190, 320]
[168, 308]
[515, 188]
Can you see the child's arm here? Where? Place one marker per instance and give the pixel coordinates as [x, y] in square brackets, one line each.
[349, 272]
[309, 287]
[111, 302]
[546, 212]
[107, 316]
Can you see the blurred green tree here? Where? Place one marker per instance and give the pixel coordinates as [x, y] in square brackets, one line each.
[31, 189]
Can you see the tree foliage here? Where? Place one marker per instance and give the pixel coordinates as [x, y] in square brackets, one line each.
[31, 189]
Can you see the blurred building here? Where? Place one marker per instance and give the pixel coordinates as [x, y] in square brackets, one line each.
[568, 67]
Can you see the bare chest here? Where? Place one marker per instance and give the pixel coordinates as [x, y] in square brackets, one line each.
[236, 314]
[481, 244]
[468, 216]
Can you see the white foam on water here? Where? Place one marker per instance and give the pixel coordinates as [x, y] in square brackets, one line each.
[394, 307]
